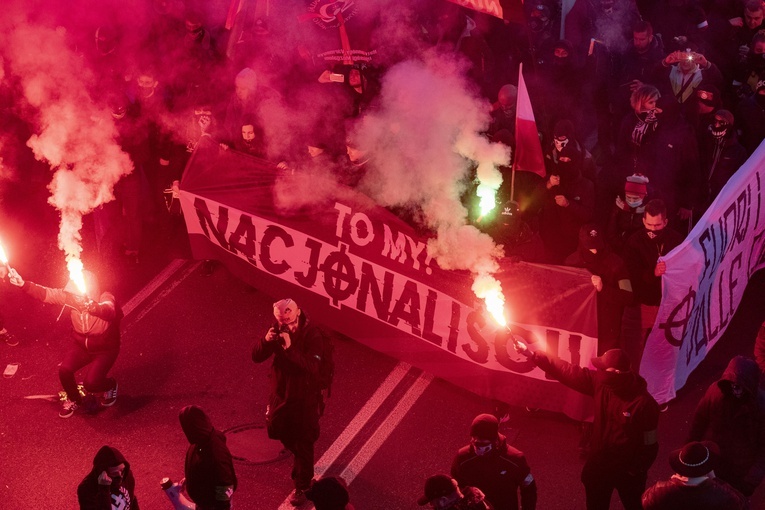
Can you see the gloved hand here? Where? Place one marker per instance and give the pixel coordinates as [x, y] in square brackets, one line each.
[15, 278]
[521, 348]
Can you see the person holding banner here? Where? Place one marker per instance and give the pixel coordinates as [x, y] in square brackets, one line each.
[624, 439]
[95, 320]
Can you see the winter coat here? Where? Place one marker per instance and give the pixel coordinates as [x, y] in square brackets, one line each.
[626, 415]
[737, 425]
[712, 494]
[498, 474]
[641, 254]
[93, 496]
[209, 467]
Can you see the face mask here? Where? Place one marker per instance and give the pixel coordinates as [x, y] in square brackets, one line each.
[559, 144]
[482, 449]
[537, 24]
[116, 481]
[634, 203]
[654, 234]
[648, 117]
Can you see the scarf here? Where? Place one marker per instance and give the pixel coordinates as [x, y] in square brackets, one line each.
[683, 85]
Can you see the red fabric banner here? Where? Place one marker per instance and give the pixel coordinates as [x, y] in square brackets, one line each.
[363, 272]
[528, 151]
[510, 10]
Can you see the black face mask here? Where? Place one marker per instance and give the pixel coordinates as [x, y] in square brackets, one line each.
[116, 481]
[537, 24]
[655, 235]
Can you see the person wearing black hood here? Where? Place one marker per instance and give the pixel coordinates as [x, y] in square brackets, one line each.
[732, 414]
[496, 468]
[750, 114]
[110, 484]
[570, 200]
[721, 156]
[624, 440]
[610, 279]
[209, 469]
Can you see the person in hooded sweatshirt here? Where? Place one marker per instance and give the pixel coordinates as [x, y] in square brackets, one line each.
[209, 469]
[109, 485]
[732, 414]
[624, 441]
[496, 468]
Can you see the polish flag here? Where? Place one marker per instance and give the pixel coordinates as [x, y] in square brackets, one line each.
[528, 148]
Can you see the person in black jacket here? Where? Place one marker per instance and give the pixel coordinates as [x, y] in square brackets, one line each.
[624, 438]
[95, 338]
[495, 467]
[110, 484]
[732, 414]
[694, 486]
[209, 469]
[295, 404]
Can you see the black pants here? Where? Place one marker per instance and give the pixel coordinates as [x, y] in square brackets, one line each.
[602, 476]
[300, 437]
[96, 379]
[302, 467]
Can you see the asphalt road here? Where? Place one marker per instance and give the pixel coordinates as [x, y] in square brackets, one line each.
[187, 340]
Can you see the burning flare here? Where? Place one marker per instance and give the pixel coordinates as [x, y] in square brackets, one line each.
[489, 289]
[76, 275]
[3, 257]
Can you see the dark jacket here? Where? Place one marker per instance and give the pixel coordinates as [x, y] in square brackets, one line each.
[93, 496]
[732, 156]
[641, 254]
[96, 329]
[712, 494]
[294, 379]
[622, 223]
[498, 474]
[737, 425]
[209, 468]
[626, 415]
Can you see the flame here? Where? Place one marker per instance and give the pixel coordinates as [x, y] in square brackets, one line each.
[3, 256]
[488, 195]
[76, 275]
[489, 289]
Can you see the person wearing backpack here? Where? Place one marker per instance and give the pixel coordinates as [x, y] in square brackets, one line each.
[300, 371]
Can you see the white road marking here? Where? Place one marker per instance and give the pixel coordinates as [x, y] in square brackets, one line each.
[159, 297]
[153, 285]
[361, 419]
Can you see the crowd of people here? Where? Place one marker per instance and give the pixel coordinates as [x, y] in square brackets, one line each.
[644, 110]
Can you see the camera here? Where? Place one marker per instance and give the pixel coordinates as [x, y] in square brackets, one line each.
[279, 329]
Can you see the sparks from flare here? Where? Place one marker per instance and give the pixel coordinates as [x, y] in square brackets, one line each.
[489, 289]
[76, 275]
[3, 256]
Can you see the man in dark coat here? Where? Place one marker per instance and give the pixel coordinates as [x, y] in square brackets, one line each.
[694, 486]
[624, 439]
[495, 467]
[610, 279]
[732, 414]
[209, 468]
[296, 401]
[110, 484]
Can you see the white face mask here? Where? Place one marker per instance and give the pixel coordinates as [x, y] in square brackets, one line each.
[634, 203]
[559, 144]
[482, 449]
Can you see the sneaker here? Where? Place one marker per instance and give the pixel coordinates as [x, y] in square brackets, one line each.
[297, 497]
[68, 408]
[110, 397]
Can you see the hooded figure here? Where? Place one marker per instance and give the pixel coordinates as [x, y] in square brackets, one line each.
[732, 414]
[721, 154]
[493, 466]
[624, 437]
[110, 484]
[209, 468]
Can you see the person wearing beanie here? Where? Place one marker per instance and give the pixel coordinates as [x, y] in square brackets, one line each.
[624, 441]
[496, 468]
[694, 485]
[329, 493]
[209, 468]
[732, 414]
[626, 215]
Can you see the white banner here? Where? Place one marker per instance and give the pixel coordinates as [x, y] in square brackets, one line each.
[705, 280]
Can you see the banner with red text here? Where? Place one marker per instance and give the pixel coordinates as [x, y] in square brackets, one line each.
[705, 280]
[362, 271]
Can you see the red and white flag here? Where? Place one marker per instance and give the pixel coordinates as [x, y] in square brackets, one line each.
[528, 148]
